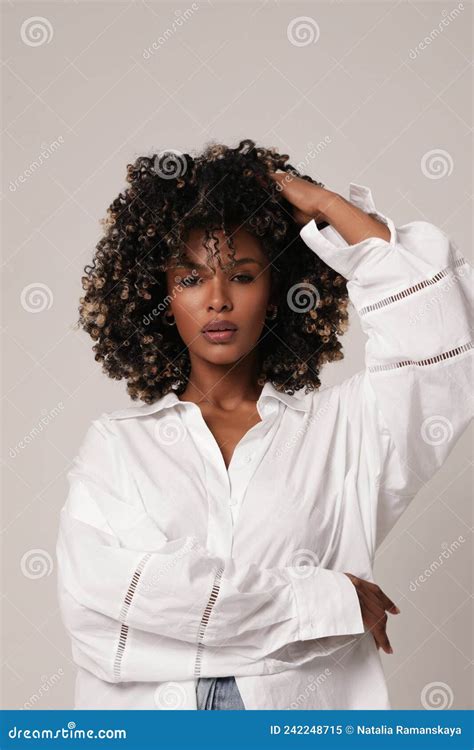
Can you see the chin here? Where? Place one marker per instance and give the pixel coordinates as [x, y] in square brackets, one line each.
[222, 354]
[224, 357]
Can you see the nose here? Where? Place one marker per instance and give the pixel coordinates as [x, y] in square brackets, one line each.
[219, 298]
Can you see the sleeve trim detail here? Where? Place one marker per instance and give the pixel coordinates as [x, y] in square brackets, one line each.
[205, 619]
[422, 362]
[123, 615]
[410, 290]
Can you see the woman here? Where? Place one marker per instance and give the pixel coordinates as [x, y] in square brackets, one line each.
[217, 543]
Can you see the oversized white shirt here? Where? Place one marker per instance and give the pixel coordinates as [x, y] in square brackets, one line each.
[173, 567]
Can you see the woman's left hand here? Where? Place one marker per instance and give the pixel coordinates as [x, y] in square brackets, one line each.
[308, 200]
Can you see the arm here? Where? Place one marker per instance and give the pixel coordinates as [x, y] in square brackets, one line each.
[139, 606]
[412, 290]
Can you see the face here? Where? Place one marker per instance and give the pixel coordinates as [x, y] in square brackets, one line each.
[240, 296]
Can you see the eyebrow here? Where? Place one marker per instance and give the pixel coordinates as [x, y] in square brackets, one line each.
[200, 266]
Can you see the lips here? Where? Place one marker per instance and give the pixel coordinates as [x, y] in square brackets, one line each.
[220, 325]
[219, 331]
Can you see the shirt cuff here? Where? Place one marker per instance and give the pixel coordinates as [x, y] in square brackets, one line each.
[333, 249]
[327, 603]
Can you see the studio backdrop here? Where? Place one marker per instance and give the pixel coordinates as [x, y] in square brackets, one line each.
[376, 93]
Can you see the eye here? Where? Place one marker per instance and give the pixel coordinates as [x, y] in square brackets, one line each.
[245, 278]
[242, 278]
[189, 280]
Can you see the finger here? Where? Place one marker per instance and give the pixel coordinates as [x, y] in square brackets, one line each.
[376, 620]
[388, 604]
[385, 601]
[382, 638]
[373, 612]
[373, 608]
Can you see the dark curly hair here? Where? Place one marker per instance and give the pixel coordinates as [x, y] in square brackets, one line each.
[146, 228]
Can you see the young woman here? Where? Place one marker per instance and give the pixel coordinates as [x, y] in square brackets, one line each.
[217, 543]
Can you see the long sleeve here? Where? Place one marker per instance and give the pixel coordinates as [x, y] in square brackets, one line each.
[413, 296]
[139, 606]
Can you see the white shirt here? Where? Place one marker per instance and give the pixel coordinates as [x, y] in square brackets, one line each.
[172, 567]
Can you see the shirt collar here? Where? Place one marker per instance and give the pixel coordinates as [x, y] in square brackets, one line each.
[298, 401]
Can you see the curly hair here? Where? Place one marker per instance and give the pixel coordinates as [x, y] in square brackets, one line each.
[146, 228]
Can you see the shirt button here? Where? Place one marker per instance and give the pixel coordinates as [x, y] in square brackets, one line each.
[246, 459]
[232, 501]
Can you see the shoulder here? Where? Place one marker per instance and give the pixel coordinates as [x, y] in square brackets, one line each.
[142, 409]
[341, 405]
[347, 390]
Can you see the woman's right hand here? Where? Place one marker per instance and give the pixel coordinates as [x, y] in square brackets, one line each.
[373, 604]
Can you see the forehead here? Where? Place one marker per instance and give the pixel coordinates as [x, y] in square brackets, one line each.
[245, 244]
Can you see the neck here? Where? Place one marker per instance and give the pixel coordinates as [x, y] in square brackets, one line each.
[223, 386]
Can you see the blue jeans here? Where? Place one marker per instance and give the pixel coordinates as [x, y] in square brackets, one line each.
[218, 694]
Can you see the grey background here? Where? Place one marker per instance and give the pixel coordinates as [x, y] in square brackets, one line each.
[376, 102]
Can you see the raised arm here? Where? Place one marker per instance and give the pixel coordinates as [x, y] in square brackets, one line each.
[412, 290]
[139, 606]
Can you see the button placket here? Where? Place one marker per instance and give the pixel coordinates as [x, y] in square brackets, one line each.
[219, 527]
[245, 457]
[255, 446]
[240, 469]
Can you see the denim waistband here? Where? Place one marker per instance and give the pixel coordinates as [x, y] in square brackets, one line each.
[218, 694]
